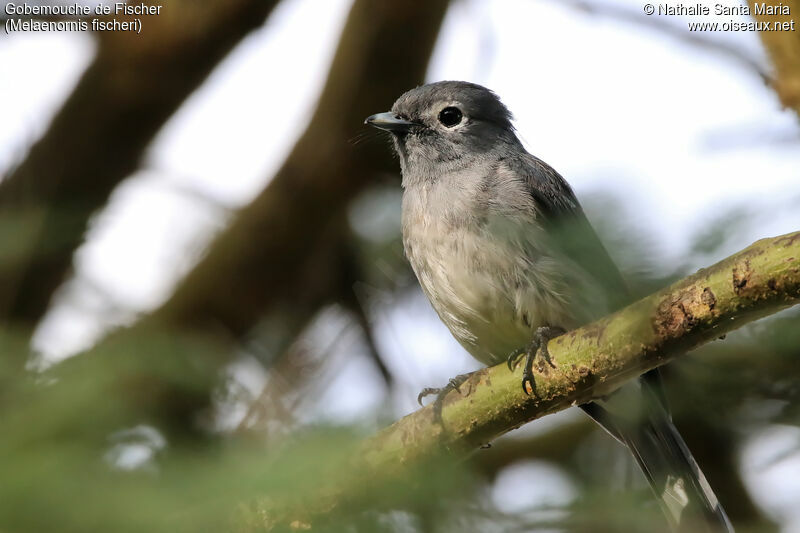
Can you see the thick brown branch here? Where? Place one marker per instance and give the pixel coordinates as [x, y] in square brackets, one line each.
[286, 247]
[98, 137]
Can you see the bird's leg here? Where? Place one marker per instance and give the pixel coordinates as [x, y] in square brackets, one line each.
[440, 393]
[544, 335]
[536, 350]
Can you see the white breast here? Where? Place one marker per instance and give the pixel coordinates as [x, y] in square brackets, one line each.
[484, 274]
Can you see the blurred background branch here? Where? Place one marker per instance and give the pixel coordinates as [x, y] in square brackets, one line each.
[287, 252]
[134, 84]
[633, 15]
[784, 51]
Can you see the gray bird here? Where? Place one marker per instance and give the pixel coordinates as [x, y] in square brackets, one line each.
[507, 258]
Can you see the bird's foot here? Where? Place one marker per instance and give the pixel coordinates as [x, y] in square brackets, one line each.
[535, 351]
[441, 392]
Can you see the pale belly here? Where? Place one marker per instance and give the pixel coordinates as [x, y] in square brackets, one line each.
[492, 292]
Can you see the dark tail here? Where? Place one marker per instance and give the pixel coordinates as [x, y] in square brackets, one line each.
[683, 492]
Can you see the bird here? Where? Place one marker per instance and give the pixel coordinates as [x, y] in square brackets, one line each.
[508, 259]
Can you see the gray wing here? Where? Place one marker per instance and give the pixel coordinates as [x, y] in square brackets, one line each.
[570, 230]
[654, 440]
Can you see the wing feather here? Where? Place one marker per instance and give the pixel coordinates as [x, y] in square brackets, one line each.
[566, 223]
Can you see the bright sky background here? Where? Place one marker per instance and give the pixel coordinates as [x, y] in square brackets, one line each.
[678, 132]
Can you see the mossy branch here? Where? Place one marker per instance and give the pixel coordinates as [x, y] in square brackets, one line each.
[593, 360]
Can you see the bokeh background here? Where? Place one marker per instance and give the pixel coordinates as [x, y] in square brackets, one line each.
[203, 296]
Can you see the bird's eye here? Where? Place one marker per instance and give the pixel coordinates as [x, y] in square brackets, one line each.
[450, 116]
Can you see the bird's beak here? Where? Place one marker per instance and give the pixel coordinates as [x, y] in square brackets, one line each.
[390, 122]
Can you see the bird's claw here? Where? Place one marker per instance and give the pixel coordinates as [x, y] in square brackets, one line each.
[453, 384]
[441, 392]
[427, 391]
[527, 384]
[536, 350]
[513, 357]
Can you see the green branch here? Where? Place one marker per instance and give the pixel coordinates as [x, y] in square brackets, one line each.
[590, 361]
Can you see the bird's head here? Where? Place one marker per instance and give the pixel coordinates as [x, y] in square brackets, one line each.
[445, 126]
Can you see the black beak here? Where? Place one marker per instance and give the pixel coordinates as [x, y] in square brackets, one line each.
[390, 122]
